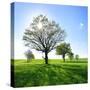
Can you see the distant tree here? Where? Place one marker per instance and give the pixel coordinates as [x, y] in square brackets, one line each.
[29, 55]
[70, 55]
[43, 35]
[77, 57]
[63, 49]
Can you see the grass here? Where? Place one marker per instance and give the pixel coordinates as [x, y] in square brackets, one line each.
[37, 73]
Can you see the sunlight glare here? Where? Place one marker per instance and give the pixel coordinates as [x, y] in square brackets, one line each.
[39, 25]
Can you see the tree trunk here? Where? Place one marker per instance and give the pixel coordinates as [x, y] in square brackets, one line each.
[63, 57]
[46, 57]
[27, 60]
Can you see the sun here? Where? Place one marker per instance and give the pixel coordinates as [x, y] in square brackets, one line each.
[39, 25]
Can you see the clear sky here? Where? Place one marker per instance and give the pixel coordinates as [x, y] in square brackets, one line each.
[73, 19]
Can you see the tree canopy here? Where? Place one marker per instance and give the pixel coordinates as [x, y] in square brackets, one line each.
[29, 55]
[70, 55]
[43, 35]
[63, 49]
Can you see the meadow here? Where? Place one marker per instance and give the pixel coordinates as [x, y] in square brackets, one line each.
[57, 72]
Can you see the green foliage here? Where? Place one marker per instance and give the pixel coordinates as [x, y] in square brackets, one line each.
[71, 56]
[63, 49]
[37, 73]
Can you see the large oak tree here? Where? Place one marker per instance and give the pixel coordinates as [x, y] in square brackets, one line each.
[43, 35]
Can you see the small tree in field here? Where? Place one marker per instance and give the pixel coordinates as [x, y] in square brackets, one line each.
[77, 57]
[29, 55]
[63, 49]
[43, 35]
[71, 55]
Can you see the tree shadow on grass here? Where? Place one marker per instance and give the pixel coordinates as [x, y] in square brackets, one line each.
[52, 74]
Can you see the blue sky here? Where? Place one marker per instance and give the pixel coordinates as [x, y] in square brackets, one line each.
[73, 19]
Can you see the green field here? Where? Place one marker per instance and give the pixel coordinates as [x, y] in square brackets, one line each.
[37, 73]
